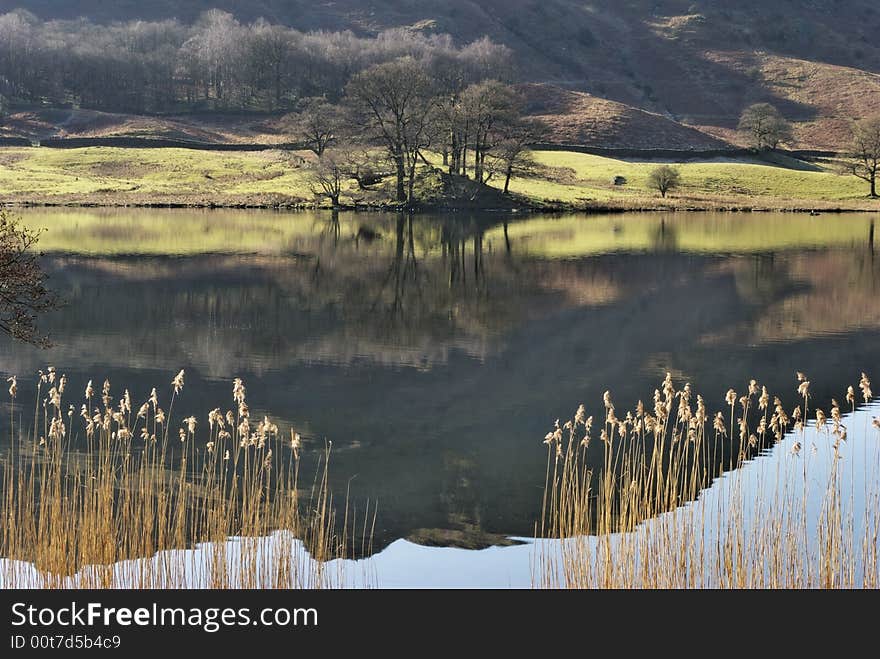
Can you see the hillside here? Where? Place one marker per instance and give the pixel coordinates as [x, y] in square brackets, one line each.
[694, 62]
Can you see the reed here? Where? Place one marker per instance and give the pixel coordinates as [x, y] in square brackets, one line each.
[683, 498]
[118, 494]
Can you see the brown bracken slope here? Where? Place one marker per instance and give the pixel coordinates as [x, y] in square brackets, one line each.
[692, 62]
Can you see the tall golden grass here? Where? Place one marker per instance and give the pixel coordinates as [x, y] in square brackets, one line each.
[644, 517]
[114, 493]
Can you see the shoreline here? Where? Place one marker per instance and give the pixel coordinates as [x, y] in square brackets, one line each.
[429, 209]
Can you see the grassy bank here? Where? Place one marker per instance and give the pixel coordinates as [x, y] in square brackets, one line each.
[113, 176]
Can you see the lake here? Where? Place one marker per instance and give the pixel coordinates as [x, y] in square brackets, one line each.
[435, 352]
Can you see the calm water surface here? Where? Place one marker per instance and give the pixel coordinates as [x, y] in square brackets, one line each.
[435, 352]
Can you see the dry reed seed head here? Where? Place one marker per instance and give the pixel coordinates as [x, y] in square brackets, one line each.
[51, 376]
[744, 402]
[718, 424]
[820, 420]
[154, 399]
[876, 422]
[762, 425]
[796, 414]
[804, 389]
[190, 424]
[801, 377]
[606, 398]
[215, 416]
[580, 414]
[57, 431]
[684, 410]
[143, 411]
[160, 417]
[685, 393]
[226, 456]
[126, 400]
[753, 387]
[668, 388]
[54, 398]
[753, 441]
[182, 434]
[835, 412]
[238, 391]
[13, 386]
[743, 429]
[123, 434]
[223, 435]
[796, 448]
[90, 391]
[764, 400]
[640, 409]
[230, 419]
[850, 395]
[865, 386]
[730, 397]
[177, 382]
[62, 383]
[210, 447]
[604, 435]
[243, 410]
[700, 416]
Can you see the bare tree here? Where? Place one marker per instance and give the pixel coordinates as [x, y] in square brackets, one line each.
[863, 159]
[318, 124]
[23, 291]
[512, 149]
[764, 127]
[396, 101]
[486, 105]
[329, 174]
[664, 178]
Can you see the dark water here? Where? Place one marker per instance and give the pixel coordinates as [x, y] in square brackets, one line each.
[435, 352]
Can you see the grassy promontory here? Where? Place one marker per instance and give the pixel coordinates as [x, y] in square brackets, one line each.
[109, 176]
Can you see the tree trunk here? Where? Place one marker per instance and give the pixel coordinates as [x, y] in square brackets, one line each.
[411, 182]
[401, 178]
[507, 176]
[874, 185]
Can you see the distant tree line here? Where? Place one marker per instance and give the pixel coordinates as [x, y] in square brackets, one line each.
[217, 63]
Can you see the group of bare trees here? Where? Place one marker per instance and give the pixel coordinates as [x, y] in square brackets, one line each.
[408, 111]
[217, 63]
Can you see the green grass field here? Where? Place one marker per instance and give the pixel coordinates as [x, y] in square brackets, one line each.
[572, 177]
[115, 176]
